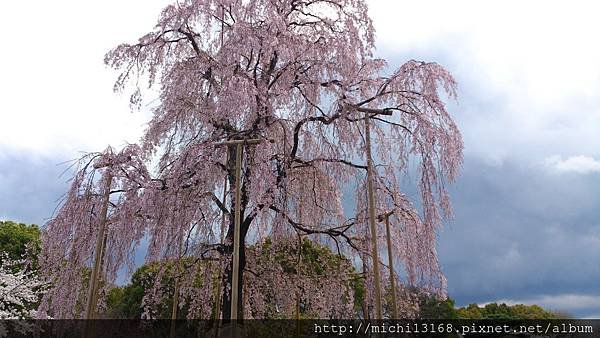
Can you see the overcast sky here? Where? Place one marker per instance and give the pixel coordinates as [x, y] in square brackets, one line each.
[527, 225]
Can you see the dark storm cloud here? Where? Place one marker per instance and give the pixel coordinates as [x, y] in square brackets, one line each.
[522, 232]
[30, 186]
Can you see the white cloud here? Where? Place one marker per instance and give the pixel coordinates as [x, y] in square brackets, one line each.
[537, 50]
[577, 164]
[529, 67]
[56, 93]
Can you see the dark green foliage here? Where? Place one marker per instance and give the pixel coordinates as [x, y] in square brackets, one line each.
[472, 311]
[126, 301]
[432, 308]
[504, 312]
[316, 260]
[19, 241]
[358, 285]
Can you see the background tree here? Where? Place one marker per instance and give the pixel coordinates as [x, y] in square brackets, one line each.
[299, 278]
[20, 290]
[20, 287]
[19, 241]
[505, 312]
[430, 307]
[309, 273]
[300, 73]
[128, 301]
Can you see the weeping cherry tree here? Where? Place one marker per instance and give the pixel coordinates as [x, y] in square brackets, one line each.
[298, 74]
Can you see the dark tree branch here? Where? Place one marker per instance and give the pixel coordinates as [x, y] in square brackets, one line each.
[333, 160]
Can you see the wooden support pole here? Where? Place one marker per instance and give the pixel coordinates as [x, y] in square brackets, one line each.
[177, 275]
[92, 300]
[391, 266]
[235, 296]
[220, 271]
[174, 308]
[297, 315]
[237, 221]
[299, 217]
[373, 226]
[236, 235]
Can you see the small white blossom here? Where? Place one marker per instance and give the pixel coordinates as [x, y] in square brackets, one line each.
[18, 290]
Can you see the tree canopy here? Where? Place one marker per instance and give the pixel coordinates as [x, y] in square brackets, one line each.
[434, 308]
[505, 312]
[18, 240]
[265, 299]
